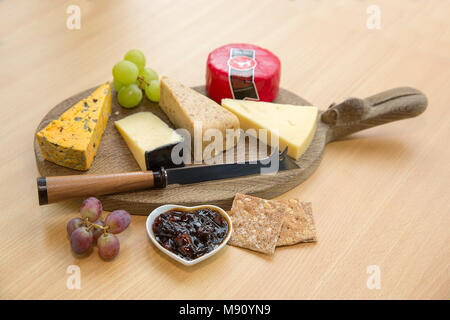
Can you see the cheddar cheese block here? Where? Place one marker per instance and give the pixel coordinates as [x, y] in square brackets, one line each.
[289, 125]
[149, 139]
[73, 139]
[188, 109]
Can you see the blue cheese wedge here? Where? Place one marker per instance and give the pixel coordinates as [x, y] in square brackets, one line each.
[72, 140]
[149, 139]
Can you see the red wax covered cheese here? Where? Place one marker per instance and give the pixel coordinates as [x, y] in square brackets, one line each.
[242, 71]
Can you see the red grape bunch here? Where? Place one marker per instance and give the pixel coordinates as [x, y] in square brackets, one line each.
[91, 229]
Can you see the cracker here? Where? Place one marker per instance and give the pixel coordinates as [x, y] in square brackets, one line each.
[256, 223]
[298, 224]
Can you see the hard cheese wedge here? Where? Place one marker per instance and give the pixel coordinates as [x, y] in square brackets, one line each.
[190, 110]
[149, 139]
[72, 140]
[294, 126]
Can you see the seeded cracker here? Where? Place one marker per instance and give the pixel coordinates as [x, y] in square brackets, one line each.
[298, 224]
[256, 223]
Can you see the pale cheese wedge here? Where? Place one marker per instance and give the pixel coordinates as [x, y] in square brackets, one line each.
[148, 138]
[190, 110]
[294, 126]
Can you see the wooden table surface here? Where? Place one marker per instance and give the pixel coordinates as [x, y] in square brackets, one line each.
[380, 198]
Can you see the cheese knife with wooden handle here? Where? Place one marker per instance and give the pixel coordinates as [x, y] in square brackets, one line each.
[58, 188]
[338, 121]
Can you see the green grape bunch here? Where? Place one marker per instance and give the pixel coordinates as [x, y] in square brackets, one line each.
[132, 80]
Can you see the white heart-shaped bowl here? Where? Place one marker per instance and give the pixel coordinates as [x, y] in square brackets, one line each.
[155, 213]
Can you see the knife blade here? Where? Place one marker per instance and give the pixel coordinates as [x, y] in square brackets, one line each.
[195, 174]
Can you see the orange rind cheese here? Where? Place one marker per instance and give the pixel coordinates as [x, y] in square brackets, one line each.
[73, 139]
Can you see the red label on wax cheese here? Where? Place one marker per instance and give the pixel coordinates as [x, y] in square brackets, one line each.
[242, 71]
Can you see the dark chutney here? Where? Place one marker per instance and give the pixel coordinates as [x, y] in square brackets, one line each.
[190, 233]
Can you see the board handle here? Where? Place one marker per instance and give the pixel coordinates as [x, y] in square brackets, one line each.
[54, 189]
[355, 114]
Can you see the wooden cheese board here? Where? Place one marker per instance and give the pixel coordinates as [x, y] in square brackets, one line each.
[336, 122]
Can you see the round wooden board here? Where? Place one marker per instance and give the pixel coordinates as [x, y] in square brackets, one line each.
[114, 156]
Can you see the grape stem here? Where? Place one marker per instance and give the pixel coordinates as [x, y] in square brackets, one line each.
[140, 78]
[91, 225]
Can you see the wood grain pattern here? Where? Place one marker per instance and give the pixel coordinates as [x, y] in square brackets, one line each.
[355, 114]
[61, 188]
[348, 117]
[114, 156]
[379, 197]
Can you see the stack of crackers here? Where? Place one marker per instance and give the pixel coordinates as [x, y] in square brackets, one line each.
[261, 225]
